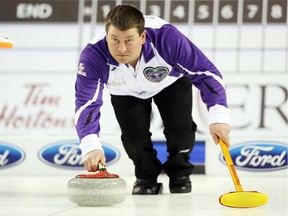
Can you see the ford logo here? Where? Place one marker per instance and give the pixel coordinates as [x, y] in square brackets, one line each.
[10, 155]
[67, 154]
[259, 156]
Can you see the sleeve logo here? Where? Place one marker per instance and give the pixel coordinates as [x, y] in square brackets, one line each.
[81, 69]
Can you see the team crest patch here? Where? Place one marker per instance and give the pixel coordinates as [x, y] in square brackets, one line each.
[81, 69]
[155, 74]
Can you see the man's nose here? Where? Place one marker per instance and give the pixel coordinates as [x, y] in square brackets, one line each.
[122, 47]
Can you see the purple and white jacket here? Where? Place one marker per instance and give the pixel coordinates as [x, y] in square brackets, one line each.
[166, 56]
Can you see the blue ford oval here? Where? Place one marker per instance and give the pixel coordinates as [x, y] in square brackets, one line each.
[67, 154]
[10, 155]
[259, 156]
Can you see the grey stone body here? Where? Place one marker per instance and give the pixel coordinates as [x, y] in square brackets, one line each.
[96, 191]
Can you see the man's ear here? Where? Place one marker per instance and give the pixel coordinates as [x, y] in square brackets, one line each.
[143, 35]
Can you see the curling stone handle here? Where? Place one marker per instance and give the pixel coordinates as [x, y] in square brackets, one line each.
[102, 168]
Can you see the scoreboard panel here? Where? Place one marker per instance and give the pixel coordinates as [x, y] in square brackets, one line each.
[252, 11]
[203, 11]
[174, 11]
[228, 12]
[179, 11]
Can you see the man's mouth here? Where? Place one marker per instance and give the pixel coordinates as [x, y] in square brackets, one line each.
[122, 55]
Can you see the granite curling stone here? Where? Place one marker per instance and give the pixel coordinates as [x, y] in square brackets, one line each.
[99, 189]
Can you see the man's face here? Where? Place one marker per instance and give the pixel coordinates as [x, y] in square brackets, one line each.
[125, 46]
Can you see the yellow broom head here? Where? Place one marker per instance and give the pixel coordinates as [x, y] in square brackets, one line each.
[244, 199]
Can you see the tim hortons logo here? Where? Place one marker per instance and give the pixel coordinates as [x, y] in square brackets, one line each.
[39, 110]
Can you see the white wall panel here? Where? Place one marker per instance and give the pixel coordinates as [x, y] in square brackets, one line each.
[36, 36]
[39, 61]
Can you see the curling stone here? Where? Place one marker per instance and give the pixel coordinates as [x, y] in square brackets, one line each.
[99, 189]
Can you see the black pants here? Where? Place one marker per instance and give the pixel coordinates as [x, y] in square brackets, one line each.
[175, 107]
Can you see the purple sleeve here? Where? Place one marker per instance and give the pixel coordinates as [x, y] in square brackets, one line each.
[88, 94]
[186, 58]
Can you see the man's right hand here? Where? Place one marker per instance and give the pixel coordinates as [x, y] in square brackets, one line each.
[92, 159]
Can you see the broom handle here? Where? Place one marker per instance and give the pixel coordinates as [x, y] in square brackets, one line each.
[230, 165]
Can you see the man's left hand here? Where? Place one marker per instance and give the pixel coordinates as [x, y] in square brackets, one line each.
[220, 130]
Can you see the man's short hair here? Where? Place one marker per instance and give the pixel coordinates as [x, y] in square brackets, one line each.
[125, 17]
